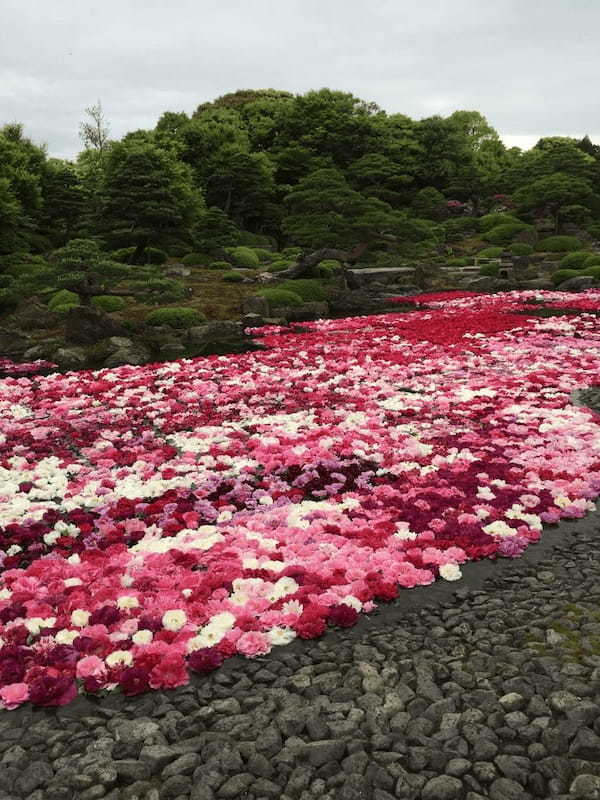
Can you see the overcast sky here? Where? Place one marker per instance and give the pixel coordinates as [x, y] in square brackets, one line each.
[531, 66]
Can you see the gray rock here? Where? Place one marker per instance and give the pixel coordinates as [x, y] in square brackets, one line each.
[174, 787]
[256, 305]
[505, 789]
[133, 729]
[443, 787]
[458, 767]
[130, 770]
[88, 325]
[236, 785]
[320, 752]
[562, 701]
[513, 701]
[157, 756]
[70, 357]
[586, 745]
[585, 787]
[37, 774]
[136, 355]
[184, 765]
[577, 284]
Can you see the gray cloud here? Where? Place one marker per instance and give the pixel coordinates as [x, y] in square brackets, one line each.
[530, 67]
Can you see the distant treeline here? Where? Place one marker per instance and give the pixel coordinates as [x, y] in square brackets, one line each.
[265, 167]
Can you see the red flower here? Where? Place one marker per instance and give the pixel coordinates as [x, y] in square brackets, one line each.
[134, 680]
[343, 616]
[205, 660]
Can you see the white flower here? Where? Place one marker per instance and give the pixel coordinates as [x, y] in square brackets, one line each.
[499, 528]
[128, 601]
[292, 607]
[126, 581]
[212, 633]
[450, 572]
[5, 594]
[353, 602]
[74, 559]
[280, 635]
[69, 582]
[66, 636]
[50, 538]
[485, 493]
[35, 624]
[117, 657]
[174, 620]
[142, 637]
[13, 550]
[186, 592]
[80, 617]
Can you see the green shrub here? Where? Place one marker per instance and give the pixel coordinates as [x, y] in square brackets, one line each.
[279, 298]
[594, 271]
[490, 252]
[460, 227]
[562, 275]
[574, 260]
[257, 239]
[178, 250]
[109, 303]
[123, 255]
[280, 266]
[264, 255]
[175, 317]
[592, 260]
[244, 257]
[61, 298]
[64, 308]
[153, 255]
[8, 300]
[489, 221]
[558, 244]
[195, 259]
[458, 262]
[593, 229]
[521, 249]
[306, 288]
[291, 252]
[505, 233]
[219, 265]
[489, 270]
[232, 277]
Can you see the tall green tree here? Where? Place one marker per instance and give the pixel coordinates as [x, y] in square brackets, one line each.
[553, 193]
[149, 198]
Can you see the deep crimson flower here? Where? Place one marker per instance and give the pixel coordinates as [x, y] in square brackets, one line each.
[134, 680]
[205, 660]
[342, 616]
[50, 687]
[106, 615]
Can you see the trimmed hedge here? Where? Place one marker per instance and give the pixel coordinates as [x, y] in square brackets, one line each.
[574, 260]
[489, 221]
[195, 260]
[505, 233]
[280, 266]
[62, 298]
[592, 260]
[490, 252]
[175, 317]
[489, 270]
[558, 244]
[264, 255]
[244, 257]
[232, 277]
[521, 249]
[594, 271]
[107, 302]
[219, 265]
[306, 288]
[459, 262]
[563, 275]
[280, 298]
[152, 255]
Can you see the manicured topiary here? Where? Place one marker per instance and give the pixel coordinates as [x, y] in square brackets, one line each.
[256, 239]
[244, 257]
[232, 277]
[123, 255]
[153, 255]
[219, 265]
[264, 255]
[563, 275]
[490, 252]
[306, 288]
[594, 271]
[64, 308]
[505, 233]
[279, 298]
[489, 270]
[521, 249]
[328, 268]
[592, 260]
[280, 265]
[108, 303]
[61, 298]
[574, 260]
[175, 317]
[195, 260]
[489, 221]
[291, 252]
[558, 244]
[458, 262]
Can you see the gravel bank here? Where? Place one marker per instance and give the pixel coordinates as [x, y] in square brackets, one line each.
[486, 688]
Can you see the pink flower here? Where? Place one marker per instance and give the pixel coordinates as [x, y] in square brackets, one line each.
[13, 694]
[253, 644]
[90, 667]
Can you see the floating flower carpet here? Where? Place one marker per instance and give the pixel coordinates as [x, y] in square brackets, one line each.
[156, 520]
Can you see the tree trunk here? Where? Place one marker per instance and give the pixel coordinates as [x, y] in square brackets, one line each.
[306, 261]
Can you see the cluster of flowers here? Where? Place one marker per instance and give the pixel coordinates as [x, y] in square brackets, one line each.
[159, 519]
[8, 367]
